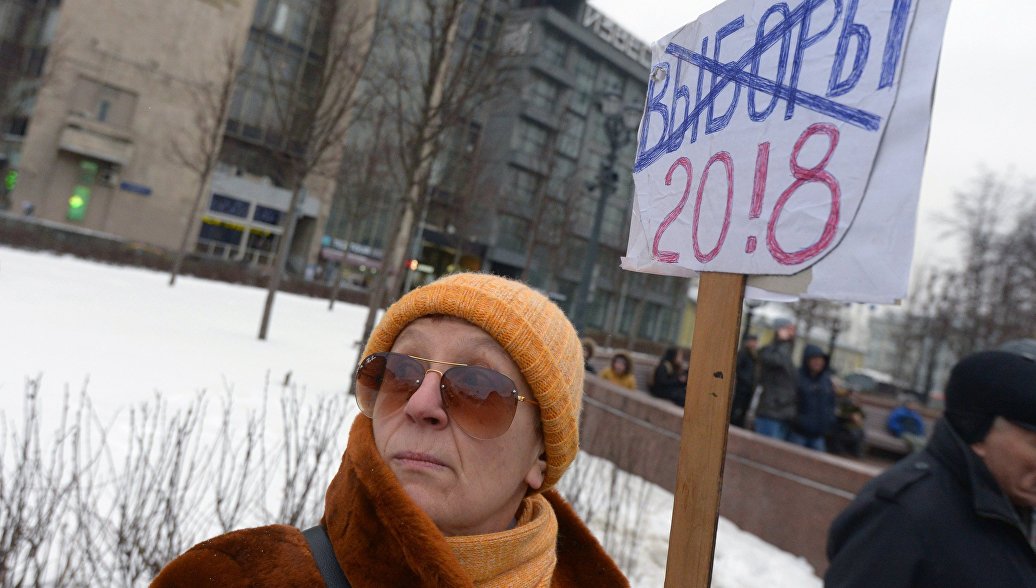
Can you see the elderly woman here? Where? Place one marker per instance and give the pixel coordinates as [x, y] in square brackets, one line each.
[470, 389]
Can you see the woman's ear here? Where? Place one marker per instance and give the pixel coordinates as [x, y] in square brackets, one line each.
[538, 471]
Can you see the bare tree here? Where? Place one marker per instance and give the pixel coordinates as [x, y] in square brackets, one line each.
[314, 117]
[439, 67]
[364, 176]
[987, 296]
[200, 152]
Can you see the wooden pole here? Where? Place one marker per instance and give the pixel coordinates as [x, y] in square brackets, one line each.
[699, 475]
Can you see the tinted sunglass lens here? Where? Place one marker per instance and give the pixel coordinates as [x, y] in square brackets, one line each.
[481, 401]
[384, 382]
[369, 376]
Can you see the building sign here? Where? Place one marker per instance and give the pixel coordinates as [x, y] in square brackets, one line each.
[616, 36]
[135, 188]
[788, 139]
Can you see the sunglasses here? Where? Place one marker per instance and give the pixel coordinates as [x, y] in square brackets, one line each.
[481, 401]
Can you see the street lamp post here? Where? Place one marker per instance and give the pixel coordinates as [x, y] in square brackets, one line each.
[836, 328]
[619, 124]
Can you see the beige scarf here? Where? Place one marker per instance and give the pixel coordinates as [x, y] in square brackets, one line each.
[522, 556]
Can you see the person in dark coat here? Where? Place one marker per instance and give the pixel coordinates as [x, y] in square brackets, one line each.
[588, 353]
[670, 378]
[744, 380]
[815, 415]
[778, 378]
[848, 434]
[958, 513]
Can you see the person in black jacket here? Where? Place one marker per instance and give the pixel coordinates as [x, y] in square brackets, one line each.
[815, 416]
[778, 378]
[670, 378]
[960, 512]
[744, 380]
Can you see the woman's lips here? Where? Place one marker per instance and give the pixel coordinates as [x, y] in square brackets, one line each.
[419, 459]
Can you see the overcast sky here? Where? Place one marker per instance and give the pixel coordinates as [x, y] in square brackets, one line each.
[986, 80]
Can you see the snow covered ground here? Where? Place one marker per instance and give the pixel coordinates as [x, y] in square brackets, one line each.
[124, 335]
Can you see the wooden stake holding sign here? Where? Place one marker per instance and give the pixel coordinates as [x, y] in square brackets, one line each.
[754, 159]
[703, 440]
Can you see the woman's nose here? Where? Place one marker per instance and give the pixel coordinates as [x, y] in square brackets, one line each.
[425, 405]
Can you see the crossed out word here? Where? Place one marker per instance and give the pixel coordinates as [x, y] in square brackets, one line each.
[723, 74]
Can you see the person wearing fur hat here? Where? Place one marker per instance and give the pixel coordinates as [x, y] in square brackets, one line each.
[470, 390]
[620, 371]
[960, 512]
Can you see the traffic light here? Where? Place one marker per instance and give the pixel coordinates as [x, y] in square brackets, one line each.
[77, 203]
[412, 265]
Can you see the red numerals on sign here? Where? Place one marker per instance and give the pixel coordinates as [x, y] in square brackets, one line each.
[672, 256]
[728, 163]
[802, 175]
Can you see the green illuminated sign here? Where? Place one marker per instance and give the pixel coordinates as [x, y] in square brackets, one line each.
[77, 203]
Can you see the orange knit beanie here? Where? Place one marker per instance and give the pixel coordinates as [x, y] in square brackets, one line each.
[534, 332]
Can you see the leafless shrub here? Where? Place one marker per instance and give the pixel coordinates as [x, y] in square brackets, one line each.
[109, 504]
[612, 502]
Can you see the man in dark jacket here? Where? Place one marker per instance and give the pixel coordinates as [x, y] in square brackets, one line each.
[744, 382]
[816, 401]
[779, 380]
[959, 513]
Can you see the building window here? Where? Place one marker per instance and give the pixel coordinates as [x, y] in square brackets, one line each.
[598, 309]
[571, 139]
[561, 177]
[609, 81]
[530, 139]
[267, 215]
[523, 190]
[552, 53]
[19, 126]
[512, 233]
[102, 110]
[586, 71]
[229, 206]
[108, 104]
[542, 93]
[213, 230]
[649, 321]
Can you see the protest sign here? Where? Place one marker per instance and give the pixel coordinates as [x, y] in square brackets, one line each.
[770, 131]
[771, 128]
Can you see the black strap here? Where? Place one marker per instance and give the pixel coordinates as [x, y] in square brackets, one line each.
[327, 563]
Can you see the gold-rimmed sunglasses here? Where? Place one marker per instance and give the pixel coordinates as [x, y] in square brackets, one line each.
[481, 401]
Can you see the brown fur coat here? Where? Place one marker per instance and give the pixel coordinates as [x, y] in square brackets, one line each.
[379, 536]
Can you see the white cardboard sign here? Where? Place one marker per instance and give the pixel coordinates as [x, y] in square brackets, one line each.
[784, 139]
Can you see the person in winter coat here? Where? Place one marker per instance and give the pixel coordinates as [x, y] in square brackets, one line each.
[905, 423]
[620, 371]
[470, 389]
[960, 512]
[670, 378]
[848, 435]
[778, 377]
[588, 353]
[815, 415]
[744, 380]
